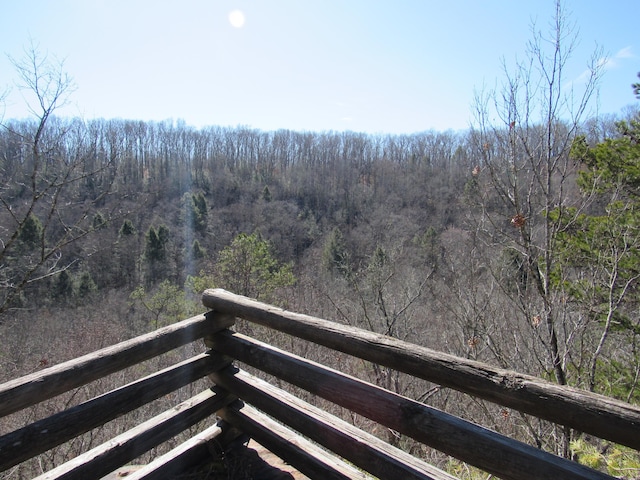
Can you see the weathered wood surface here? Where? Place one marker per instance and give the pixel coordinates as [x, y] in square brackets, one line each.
[188, 454]
[246, 462]
[587, 412]
[488, 450]
[40, 436]
[288, 445]
[122, 449]
[264, 464]
[44, 384]
[363, 450]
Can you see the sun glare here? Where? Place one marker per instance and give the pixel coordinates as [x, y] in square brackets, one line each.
[236, 18]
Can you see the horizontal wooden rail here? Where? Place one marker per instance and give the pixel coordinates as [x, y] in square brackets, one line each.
[304, 456]
[44, 384]
[40, 436]
[125, 447]
[490, 451]
[363, 450]
[190, 453]
[280, 420]
[587, 412]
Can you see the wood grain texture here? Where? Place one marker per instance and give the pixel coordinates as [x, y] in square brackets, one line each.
[305, 456]
[40, 436]
[44, 384]
[360, 448]
[120, 450]
[488, 450]
[598, 415]
[188, 454]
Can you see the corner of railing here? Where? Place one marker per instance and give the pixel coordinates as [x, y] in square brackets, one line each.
[210, 295]
[219, 321]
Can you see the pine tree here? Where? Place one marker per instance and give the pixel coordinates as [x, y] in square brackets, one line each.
[86, 285]
[63, 287]
[31, 232]
[127, 228]
[335, 256]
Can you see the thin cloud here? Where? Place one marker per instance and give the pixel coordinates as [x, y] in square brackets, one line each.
[607, 63]
[626, 52]
[613, 62]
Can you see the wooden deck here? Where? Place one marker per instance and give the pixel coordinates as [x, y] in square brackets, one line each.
[244, 462]
[255, 461]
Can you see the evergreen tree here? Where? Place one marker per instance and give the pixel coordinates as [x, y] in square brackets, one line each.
[99, 221]
[126, 255]
[600, 251]
[30, 235]
[127, 228]
[63, 287]
[429, 246]
[198, 250]
[266, 194]
[200, 209]
[335, 256]
[196, 211]
[156, 252]
[86, 285]
[156, 243]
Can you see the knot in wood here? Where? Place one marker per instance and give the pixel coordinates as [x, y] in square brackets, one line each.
[511, 382]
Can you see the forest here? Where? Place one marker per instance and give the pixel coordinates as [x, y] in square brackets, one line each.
[513, 242]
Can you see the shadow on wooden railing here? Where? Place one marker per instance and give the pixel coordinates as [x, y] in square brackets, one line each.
[295, 430]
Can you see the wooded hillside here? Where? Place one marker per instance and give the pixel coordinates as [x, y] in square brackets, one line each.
[514, 243]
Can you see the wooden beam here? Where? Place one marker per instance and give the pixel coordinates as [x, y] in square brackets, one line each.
[188, 454]
[31, 389]
[124, 448]
[587, 412]
[363, 450]
[488, 450]
[303, 455]
[40, 436]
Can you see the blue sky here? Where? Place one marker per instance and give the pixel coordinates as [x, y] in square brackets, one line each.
[376, 66]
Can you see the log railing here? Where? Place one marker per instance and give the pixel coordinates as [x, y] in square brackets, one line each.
[315, 442]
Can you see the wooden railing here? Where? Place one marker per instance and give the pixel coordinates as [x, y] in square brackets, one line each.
[315, 442]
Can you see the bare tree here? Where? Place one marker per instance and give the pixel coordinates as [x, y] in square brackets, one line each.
[43, 168]
[524, 162]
